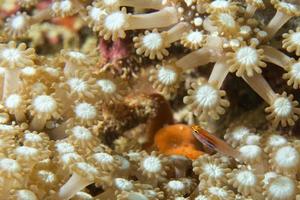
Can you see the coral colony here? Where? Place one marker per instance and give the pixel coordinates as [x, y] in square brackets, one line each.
[130, 99]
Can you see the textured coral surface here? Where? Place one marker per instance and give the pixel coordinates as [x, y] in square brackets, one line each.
[98, 99]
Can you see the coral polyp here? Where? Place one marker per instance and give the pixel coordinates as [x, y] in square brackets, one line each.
[100, 99]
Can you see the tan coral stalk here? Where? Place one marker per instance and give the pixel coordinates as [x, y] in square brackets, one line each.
[83, 175]
[219, 72]
[115, 4]
[291, 41]
[154, 44]
[196, 58]
[276, 57]
[114, 25]
[285, 11]
[252, 6]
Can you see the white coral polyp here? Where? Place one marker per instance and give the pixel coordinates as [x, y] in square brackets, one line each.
[207, 96]
[136, 196]
[167, 76]
[153, 41]
[110, 2]
[123, 184]
[18, 22]
[69, 157]
[276, 140]
[107, 86]
[220, 192]
[201, 197]
[96, 13]
[288, 6]
[65, 5]
[227, 20]
[252, 139]
[250, 151]
[152, 164]
[220, 4]
[81, 133]
[268, 176]
[213, 170]
[103, 157]
[295, 38]
[64, 147]
[195, 37]
[176, 185]
[11, 54]
[287, 156]
[47, 176]
[246, 178]
[52, 71]
[282, 188]
[33, 137]
[26, 195]
[295, 70]
[44, 104]
[28, 71]
[115, 21]
[283, 107]
[77, 55]
[240, 132]
[247, 56]
[13, 101]
[9, 165]
[26, 152]
[85, 111]
[77, 84]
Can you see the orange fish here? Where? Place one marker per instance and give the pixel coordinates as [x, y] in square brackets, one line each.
[213, 142]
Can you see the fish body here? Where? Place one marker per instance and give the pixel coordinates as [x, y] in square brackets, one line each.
[213, 142]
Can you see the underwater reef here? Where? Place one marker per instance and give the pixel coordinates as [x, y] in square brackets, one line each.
[149, 99]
